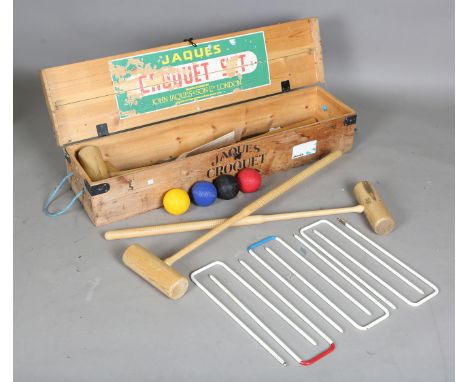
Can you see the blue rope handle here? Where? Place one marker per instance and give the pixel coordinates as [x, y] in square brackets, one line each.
[53, 195]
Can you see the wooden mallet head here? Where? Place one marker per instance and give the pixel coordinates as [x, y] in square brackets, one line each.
[156, 271]
[93, 163]
[374, 208]
[96, 167]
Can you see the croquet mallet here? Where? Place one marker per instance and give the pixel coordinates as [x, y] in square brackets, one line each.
[160, 273]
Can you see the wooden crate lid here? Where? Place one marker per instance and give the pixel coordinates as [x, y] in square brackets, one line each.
[122, 92]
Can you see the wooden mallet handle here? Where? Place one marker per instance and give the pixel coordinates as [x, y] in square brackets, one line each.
[164, 229]
[259, 203]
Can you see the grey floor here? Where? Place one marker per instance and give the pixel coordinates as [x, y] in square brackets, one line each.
[80, 315]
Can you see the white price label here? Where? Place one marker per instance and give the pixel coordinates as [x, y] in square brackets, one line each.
[304, 149]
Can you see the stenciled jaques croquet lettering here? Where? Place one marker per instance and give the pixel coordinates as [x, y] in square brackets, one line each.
[235, 159]
[159, 80]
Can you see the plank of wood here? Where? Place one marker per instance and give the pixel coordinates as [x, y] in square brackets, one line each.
[167, 140]
[314, 98]
[282, 40]
[81, 96]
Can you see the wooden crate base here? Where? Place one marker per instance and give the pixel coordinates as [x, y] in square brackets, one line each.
[157, 147]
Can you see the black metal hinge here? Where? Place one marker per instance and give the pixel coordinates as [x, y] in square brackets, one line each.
[102, 130]
[351, 120]
[97, 189]
[285, 86]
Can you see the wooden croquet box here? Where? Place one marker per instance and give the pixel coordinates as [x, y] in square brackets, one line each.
[145, 108]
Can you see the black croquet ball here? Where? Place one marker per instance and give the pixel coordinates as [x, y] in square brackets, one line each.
[227, 187]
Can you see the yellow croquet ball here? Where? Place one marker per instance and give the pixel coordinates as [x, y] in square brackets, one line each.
[176, 201]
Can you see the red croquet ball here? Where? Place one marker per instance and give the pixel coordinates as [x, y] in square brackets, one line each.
[249, 180]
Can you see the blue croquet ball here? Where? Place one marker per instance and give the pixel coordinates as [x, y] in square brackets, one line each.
[203, 193]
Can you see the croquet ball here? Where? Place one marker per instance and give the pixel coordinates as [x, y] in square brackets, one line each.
[176, 201]
[249, 180]
[227, 186]
[203, 193]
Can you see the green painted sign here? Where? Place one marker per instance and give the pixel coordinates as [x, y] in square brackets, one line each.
[160, 80]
